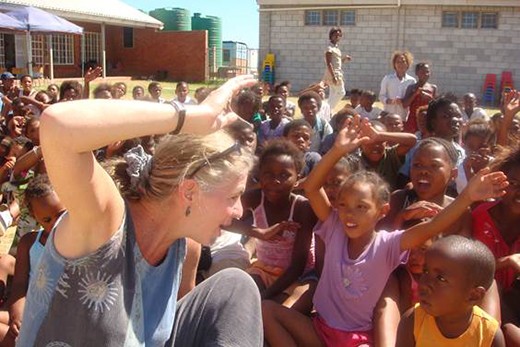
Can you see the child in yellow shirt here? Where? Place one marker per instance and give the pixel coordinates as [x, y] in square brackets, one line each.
[457, 274]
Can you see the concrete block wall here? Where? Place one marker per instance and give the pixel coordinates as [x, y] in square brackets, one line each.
[460, 58]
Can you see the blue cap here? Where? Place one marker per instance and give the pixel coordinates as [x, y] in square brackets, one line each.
[7, 76]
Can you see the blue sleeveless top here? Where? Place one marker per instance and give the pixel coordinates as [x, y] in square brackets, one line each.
[109, 298]
[35, 253]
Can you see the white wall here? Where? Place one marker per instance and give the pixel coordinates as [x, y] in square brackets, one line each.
[460, 58]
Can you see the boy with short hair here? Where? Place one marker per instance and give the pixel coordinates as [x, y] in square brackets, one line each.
[309, 104]
[182, 97]
[470, 111]
[457, 273]
[366, 107]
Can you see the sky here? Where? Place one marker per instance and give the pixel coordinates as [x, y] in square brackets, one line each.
[239, 17]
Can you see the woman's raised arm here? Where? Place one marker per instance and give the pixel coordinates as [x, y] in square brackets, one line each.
[70, 131]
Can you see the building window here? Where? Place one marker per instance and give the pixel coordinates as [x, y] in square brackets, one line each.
[226, 56]
[63, 46]
[348, 18]
[450, 19]
[489, 20]
[128, 37]
[469, 20]
[330, 17]
[2, 52]
[312, 18]
[38, 49]
[92, 44]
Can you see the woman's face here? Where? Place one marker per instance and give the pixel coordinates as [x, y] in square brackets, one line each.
[336, 36]
[431, 171]
[401, 64]
[216, 209]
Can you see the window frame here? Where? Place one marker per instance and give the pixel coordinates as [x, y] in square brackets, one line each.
[330, 14]
[92, 46]
[483, 15]
[310, 20]
[347, 23]
[2, 51]
[469, 13]
[128, 34]
[446, 24]
[63, 49]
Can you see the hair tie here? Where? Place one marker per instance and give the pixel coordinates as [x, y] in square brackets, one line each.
[139, 165]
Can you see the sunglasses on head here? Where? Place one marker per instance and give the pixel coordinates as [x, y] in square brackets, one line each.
[236, 147]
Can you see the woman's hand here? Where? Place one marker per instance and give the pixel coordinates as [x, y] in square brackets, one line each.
[215, 112]
[485, 185]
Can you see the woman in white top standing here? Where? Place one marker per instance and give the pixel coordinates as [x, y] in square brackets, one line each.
[333, 72]
[393, 85]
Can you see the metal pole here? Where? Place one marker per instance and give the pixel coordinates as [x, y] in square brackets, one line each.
[51, 56]
[82, 54]
[103, 50]
[29, 53]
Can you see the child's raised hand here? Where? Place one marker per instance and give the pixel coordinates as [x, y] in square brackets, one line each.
[351, 136]
[92, 74]
[511, 261]
[369, 131]
[512, 103]
[272, 231]
[420, 210]
[485, 185]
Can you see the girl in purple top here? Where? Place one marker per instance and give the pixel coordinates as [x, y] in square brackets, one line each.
[358, 259]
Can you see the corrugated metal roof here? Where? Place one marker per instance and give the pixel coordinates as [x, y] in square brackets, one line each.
[114, 12]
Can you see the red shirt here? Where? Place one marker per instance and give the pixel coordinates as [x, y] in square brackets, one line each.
[485, 230]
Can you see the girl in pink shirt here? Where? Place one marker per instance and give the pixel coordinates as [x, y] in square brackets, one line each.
[358, 259]
[283, 258]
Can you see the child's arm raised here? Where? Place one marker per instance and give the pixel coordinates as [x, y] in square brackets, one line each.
[405, 141]
[482, 186]
[511, 108]
[347, 141]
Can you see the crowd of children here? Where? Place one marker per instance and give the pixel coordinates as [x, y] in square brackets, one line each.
[362, 226]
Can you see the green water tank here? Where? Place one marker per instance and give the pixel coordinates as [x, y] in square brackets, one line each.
[174, 19]
[214, 27]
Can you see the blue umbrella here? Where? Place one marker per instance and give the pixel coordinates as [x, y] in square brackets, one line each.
[10, 23]
[35, 20]
[40, 21]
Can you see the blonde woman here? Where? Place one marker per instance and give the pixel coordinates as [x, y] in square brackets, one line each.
[110, 273]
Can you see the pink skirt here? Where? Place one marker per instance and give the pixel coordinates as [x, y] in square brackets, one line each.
[333, 337]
